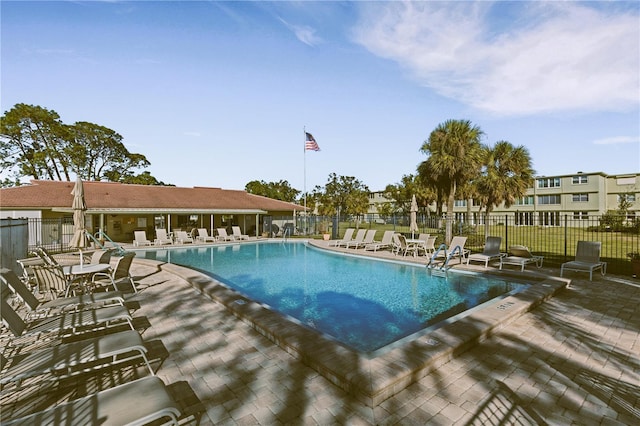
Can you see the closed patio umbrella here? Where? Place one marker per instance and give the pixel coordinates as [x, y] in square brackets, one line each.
[413, 226]
[79, 239]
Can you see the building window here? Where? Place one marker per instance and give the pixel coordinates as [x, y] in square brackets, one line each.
[577, 180]
[525, 201]
[549, 218]
[475, 203]
[580, 198]
[548, 199]
[629, 197]
[581, 215]
[549, 182]
[460, 203]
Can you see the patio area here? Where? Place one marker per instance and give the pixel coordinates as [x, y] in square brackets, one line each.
[573, 359]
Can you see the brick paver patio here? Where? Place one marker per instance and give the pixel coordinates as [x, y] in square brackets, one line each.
[573, 360]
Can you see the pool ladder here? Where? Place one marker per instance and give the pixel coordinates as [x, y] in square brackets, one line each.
[448, 257]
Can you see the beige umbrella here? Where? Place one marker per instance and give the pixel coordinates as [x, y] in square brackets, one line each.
[79, 239]
[413, 225]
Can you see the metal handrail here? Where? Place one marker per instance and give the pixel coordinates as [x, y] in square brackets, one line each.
[443, 247]
[100, 235]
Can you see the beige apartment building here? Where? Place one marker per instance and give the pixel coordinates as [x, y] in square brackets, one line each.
[580, 195]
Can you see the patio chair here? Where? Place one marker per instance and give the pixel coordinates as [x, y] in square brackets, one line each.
[119, 274]
[386, 242]
[53, 280]
[38, 308]
[222, 235]
[490, 252]
[237, 233]
[348, 236]
[369, 238]
[101, 256]
[139, 402]
[162, 238]
[587, 259]
[27, 271]
[204, 236]
[140, 239]
[401, 245]
[67, 359]
[65, 324]
[520, 256]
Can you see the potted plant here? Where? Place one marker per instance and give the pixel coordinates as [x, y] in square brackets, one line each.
[635, 262]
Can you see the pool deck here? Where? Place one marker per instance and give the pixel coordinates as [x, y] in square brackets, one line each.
[573, 359]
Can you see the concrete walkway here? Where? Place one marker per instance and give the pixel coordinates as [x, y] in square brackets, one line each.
[573, 360]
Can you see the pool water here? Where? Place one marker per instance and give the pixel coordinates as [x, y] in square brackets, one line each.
[363, 303]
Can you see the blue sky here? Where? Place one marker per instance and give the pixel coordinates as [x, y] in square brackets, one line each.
[218, 93]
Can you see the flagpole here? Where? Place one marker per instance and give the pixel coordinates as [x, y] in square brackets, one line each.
[304, 162]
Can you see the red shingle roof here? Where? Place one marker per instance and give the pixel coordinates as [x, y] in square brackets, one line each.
[42, 194]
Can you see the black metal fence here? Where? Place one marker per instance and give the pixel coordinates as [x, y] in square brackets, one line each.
[556, 242]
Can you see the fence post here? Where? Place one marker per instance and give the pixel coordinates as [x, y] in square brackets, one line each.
[506, 231]
[566, 230]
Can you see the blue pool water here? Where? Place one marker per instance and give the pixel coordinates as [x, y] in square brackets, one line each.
[363, 303]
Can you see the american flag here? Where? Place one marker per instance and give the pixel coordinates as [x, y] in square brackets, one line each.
[311, 144]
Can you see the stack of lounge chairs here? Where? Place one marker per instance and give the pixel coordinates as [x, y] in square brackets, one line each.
[90, 338]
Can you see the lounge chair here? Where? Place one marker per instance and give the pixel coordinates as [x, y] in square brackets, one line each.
[386, 242]
[520, 256]
[490, 252]
[139, 402]
[369, 238]
[118, 275]
[348, 236]
[204, 236]
[587, 259]
[27, 271]
[237, 233]
[222, 235]
[140, 239]
[359, 238]
[53, 280]
[455, 249]
[162, 238]
[183, 238]
[67, 359]
[43, 309]
[66, 324]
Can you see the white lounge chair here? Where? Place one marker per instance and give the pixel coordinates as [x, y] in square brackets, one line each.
[237, 233]
[63, 360]
[162, 237]
[223, 236]
[357, 239]
[138, 402]
[455, 249]
[62, 325]
[369, 238]
[41, 309]
[183, 238]
[204, 236]
[520, 256]
[140, 239]
[490, 252]
[587, 259]
[348, 236]
[386, 242]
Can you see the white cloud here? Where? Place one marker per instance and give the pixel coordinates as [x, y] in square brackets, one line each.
[304, 33]
[552, 56]
[617, 140]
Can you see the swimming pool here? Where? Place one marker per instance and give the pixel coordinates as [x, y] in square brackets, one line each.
[365, 304]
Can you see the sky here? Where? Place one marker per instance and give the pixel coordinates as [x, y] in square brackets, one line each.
[219, 94]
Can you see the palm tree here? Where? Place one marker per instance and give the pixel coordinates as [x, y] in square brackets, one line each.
[455, 155]
[506, 175]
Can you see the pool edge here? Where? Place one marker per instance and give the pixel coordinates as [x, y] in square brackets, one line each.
[371, 380]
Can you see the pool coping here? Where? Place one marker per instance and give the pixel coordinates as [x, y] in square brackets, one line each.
[373, 379]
